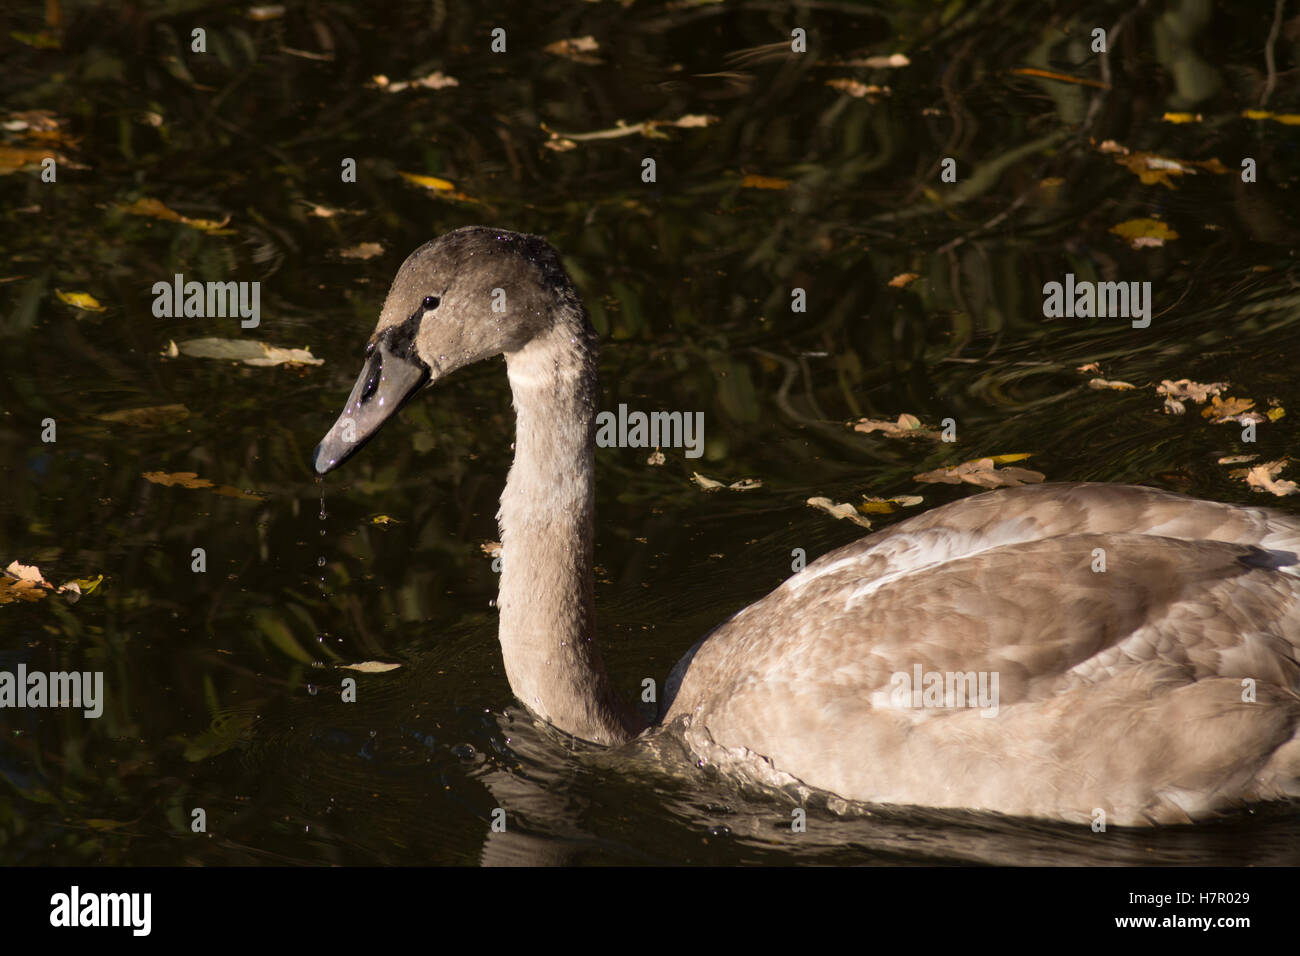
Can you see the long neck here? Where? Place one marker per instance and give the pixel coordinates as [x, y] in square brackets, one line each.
[547, 517]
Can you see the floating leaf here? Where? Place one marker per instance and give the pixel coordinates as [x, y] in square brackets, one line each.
[745, 484]
[384, 520]
[752, 181]
[884, 506]
[1222, 411]
[982, 472]
[150, 417]
[434, 81]
[1090, 367]
[190, 479]
[1185, 388]
[491, 548]
[656, 458]
[907, 426]
[1153, 169]
[1236, 459]
[841, 510]
[79, 300]
[1182, 117]
[1287, 119]
[708, 484]
[442, 188]
[858, 89]
[1060, 77]
[1144, 232]
[1100, 383]
[577, 49]
[248, 351]
[903, 280]
[24, 582]
[370, 667]
[1262, 477]
[157, 210]
[14, 158]
[364, 250]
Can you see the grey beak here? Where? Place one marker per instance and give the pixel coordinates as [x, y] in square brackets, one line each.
[387, 381]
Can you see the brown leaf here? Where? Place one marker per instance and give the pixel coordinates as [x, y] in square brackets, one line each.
[984, 473]
[907, 426]
[150, 417]
[841, 510]
[1262, 477]
[1185, 388]
[1222, 411]
[903, 280]
[1101, 383]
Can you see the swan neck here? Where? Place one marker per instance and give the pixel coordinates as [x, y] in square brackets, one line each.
[547, 523]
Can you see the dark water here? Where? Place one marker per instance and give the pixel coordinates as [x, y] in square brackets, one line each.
[222, 687]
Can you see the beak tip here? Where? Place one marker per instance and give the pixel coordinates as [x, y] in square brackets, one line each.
[319, 462]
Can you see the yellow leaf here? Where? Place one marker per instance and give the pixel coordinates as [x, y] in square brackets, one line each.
[1182, 117]
[1136, 229]
[1275, 413]
[79, 300]
[764, 182]
[428, 182]
[903, 280]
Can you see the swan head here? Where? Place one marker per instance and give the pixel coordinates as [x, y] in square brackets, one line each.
[469, 295]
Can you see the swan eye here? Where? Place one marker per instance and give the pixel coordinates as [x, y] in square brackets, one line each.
[430, 302]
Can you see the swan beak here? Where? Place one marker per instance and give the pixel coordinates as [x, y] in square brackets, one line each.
[387, 381]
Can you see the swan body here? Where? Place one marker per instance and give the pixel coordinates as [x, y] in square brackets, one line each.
[1066, 651]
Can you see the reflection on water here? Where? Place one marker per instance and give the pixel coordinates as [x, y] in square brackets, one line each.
[223, 687]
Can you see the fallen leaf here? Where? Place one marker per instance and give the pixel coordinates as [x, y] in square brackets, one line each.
[79, 300]
[1230, 410]
[858, 89]
[577, 49]
[441, 188]
[745, 484]
[656, 458]
[150, 417]
[434, 81]
[384, 520]
[907, 426]
[752, 181]
[708, 484]
[248, 351]
[365, 250]
[1062, 77]
[891, 62]
[1236, 459]
[1185, 388]
[1153, 169]
[1182, 117]
[1090, 367]
[190, 479]
[1287, 119]
[1274, 413]
[885, 506]
[981, 472]
[1262, 477]
[15, 158]
[841, 510]
[370, 667]
[1144, 232]
[1100, 383]
[24, 582]
[903, 280]
[491, 548]
[154, 209]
